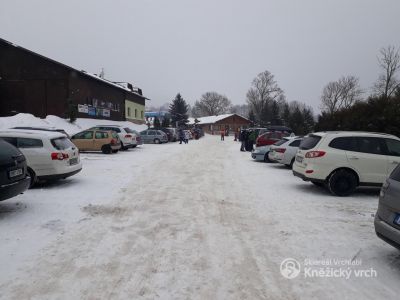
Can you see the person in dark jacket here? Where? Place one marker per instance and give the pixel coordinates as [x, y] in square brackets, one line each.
[243, 140]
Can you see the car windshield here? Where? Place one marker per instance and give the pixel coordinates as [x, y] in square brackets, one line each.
[309, 142]
[128, 130]
[62, 143]
[281, 142]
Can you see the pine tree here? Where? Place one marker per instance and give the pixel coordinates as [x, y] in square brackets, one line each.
[179, 110]
[156, 123]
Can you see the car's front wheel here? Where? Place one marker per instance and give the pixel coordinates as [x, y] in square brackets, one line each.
[266, 158]
[106, 149]
[33, 177]
[342, 183]
[156, 141]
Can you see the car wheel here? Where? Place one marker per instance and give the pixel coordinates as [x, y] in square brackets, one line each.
[123, 147]
[106, 149]
[33, 177]
[134, 146]
[342, 183]
[114, 151]
[156, 141]
[266, 159]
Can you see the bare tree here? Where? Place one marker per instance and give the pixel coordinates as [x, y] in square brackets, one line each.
[389, 61]
[212, 103]
[340, 94]
[264, 90]
[240, 109]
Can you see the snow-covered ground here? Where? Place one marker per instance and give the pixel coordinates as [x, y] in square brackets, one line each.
[196, 221]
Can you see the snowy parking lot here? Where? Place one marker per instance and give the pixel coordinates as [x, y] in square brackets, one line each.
[196, 221]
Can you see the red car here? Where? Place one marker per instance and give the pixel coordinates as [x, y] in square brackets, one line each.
[270, 138]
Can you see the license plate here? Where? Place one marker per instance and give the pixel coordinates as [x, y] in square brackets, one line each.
[299, 159]
[397, 220]
[73, 161]
[15, 173]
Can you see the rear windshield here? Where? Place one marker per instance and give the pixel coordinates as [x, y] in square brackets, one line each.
[62, 143]
[7, 151]
[128, 130]
[309, 142]
[396, 174]
[281, 142]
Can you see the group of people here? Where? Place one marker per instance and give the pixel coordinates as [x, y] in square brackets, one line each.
[248, 138]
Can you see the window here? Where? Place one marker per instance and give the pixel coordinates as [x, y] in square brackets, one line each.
[370, 145]
[135, 113]
[86, 135]
[158, 133]
[344, 143]
[393, 147]
[129, 111]
[29, 143]
[101, 135]
[295, 143]
[309, 142]
[396, 174]
[281, 142]
[128, 130]
[11, 140]
[62, 143]
[151, 132]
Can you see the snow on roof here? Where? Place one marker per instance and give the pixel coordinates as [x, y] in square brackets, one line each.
[211, 119]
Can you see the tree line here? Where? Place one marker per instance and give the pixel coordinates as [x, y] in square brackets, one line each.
[342, 104]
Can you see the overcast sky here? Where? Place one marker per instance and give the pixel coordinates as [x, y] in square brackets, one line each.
[191, 47]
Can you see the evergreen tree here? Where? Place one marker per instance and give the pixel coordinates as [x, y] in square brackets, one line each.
[72, 112]
[286, 114]
[179, 110]
[156, 123]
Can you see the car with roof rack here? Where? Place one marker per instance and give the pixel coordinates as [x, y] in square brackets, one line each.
[345, 160]
[49, 155]
[127, 136]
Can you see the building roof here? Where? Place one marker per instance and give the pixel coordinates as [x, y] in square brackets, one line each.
[87, 74]
[213, 119]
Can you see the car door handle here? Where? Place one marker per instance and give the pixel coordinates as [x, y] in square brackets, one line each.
[353, 157]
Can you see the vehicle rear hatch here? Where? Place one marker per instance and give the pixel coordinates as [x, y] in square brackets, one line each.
[12, 164]
[69, 152]
[309, 142]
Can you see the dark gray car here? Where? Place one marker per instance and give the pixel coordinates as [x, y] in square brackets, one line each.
[387, 219]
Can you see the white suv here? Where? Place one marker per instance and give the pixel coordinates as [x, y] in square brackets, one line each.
[345, 160]
[49, 155]
[127, 136]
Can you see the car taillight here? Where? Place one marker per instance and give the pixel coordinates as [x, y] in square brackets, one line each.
[128, 136]
[315, 154]
[59, 156]
[280, 150]
[114, 141]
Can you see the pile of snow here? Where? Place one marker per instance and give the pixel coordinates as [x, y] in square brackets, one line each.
[60, 123]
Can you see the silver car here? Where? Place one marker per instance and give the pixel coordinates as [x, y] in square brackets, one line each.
[387, 218]
[150, 136]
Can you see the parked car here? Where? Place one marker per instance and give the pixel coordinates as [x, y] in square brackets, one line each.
[150, 136]
[284, 151]
[13, 171]
[53, 129]
[106, 141]
[387, 218]
[138, 137]
[272, 128]
[126, 136]
[173, 133]
[345, 160]
[264, 143]
[270, 137]
[49, 155]
[169, 134]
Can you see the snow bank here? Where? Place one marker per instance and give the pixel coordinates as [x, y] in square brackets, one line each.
[60, 123]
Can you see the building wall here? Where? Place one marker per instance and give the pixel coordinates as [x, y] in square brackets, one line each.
[232, 124]
[131, 108]
[34, 84]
